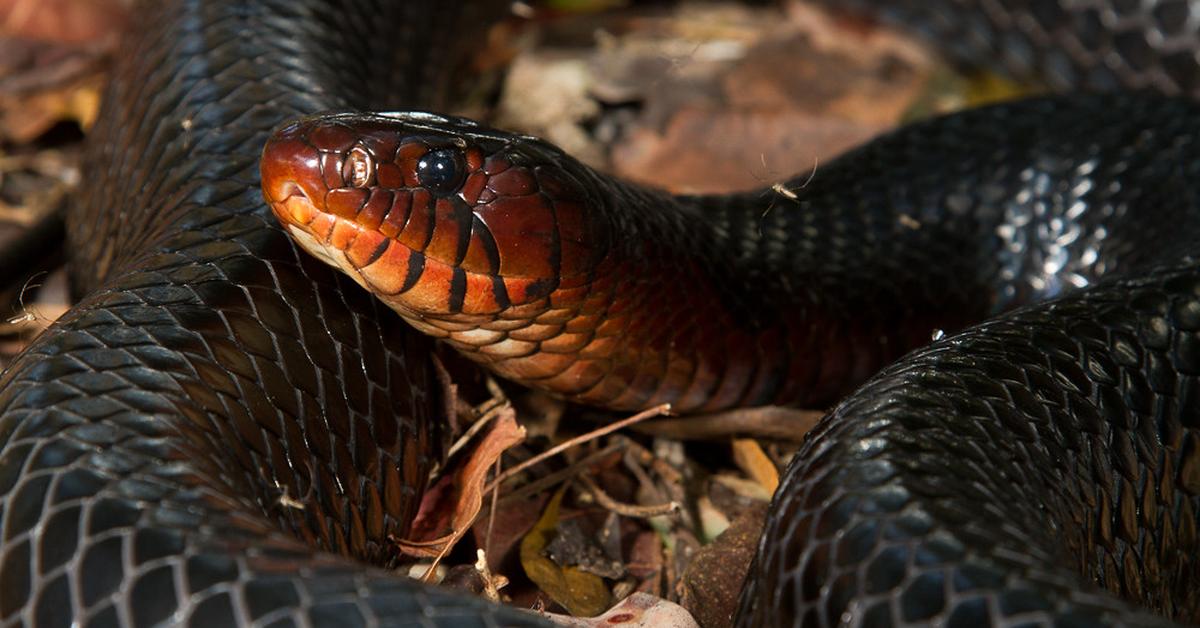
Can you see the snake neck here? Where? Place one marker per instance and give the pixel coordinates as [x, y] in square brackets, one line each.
[660, 318]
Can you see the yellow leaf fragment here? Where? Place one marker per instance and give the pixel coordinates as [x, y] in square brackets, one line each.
[582, 594]
[750, 458]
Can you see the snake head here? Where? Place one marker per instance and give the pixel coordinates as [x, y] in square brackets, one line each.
[439, 217]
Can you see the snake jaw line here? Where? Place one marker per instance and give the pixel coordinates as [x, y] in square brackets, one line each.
[325, 253]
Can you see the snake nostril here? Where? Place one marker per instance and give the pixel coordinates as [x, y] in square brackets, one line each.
[289, 167]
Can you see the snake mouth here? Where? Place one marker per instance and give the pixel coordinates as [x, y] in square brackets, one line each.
[292, 205]
[284, 191]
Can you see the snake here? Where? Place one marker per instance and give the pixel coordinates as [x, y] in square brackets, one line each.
[1037, 464]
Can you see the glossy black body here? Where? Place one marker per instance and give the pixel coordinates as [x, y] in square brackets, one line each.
[153, 441]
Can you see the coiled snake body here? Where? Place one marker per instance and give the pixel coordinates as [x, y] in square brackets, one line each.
[1007, 475]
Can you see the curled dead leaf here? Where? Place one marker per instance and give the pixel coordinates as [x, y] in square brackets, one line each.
[462, 496]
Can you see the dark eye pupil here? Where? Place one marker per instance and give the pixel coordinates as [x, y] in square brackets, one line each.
[441, 171]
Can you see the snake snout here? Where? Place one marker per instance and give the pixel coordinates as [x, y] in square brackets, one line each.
[292, 181]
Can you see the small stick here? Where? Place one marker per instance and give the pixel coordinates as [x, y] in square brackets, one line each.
[775, 422]
[454, 537]
[446, 542]
[487, 539]
[494, 408]
[542, 483]
[627, 510]
[492, 583]
[658, 410]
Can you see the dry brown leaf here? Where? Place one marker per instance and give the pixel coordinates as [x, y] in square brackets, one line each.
[68, 21]
[581, 593]
[750, 458]
[52, 57]
[463, 497]
[645, 561]
[24, 118]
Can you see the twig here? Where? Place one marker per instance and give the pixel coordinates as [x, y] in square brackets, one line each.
[627, 510]
[774, 422]
[495, 407]
[487, 539]
[450, 540]
[492, 583]
[552, 479]
[658, 410]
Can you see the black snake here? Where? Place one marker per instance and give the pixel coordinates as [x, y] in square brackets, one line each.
[1007, 475]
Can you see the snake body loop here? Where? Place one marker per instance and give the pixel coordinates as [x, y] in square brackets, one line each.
[1062, 434]
[1040, 468]
[151, 435]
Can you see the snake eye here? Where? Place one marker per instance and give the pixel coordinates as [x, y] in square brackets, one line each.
[441, 171]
